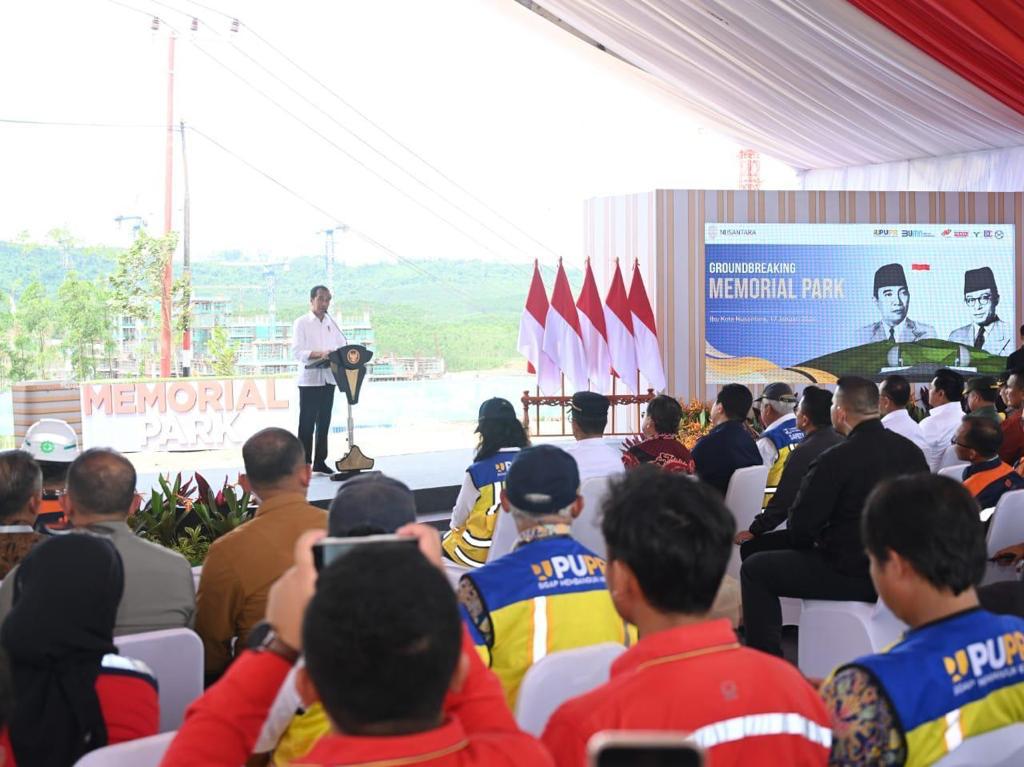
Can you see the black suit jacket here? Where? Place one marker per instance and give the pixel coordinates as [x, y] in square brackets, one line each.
[827, 510]
[1015, 360]
[813, 445]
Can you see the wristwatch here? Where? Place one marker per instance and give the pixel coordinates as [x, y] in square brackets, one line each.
[263, 638]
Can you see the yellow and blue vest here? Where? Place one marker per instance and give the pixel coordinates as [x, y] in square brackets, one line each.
[470, 544]
[785, 438]
[952, 680]
[547, 595]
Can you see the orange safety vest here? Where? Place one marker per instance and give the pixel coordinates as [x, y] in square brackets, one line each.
[978, 482]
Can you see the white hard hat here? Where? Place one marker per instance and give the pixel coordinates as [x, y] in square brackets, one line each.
[51, 439]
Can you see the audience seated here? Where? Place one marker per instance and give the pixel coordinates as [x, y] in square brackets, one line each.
[549, 594]
[729, 445]
[21, 494]
[775, 410]
[659, 443]
[386, 654]
[959, 671]
[669, 540]
[821, 555]
[977, 442]
[588, 412]
[1012, 449]
[981, 393]
[468, 540]
[944, 395]
[371, 504]
[1006, 597]
[72, 692]
[814, 419]
[53, 444]
[893, 400]
[241, 566]
[159, 592]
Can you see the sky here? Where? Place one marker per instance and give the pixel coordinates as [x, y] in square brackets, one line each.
[506, 123]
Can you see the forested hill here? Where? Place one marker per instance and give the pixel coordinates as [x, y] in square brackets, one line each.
[468, 311]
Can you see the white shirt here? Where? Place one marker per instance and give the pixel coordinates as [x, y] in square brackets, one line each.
[595, 458]
[310, 334]
[766, 447]
[938, 429]
[900, 422]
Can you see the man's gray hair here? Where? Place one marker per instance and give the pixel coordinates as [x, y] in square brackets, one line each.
[780, 407]
[531, 519]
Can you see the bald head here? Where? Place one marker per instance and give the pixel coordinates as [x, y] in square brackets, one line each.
[101, 483]
[272, 458]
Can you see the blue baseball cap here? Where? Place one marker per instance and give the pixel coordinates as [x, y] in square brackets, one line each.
[542, 480]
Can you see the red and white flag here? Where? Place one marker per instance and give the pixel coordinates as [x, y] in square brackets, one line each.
[619, 327]
[563, 340]
[645, 332]
[531, 336]
[592, 329]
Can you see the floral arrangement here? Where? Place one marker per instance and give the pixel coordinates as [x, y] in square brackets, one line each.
[696, 422]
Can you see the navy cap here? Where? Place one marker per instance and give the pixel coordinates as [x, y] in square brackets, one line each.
[779, 392]
[370, 504]
[982, 384]
[590, 404]
[542, 480]
[498, 408]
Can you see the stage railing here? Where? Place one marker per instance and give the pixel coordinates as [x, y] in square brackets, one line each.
[535, 401]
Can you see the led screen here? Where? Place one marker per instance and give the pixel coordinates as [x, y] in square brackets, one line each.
[811, 302]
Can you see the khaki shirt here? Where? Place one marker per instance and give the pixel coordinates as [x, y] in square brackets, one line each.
[240, 568]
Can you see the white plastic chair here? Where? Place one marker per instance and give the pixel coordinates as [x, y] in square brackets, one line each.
[554, 679]
[453, 572]
[949, 458]
[834, 633]
[197, 573]
[176, 658]
[143, 752]
[1006, 528]
[586, 528]
[999, 748]
[505, 536]
[956, 471]
[744, 498]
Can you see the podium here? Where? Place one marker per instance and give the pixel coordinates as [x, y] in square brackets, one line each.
[348, 366]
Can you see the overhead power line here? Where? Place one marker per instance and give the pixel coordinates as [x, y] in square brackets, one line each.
[378, 126]
[64, 124]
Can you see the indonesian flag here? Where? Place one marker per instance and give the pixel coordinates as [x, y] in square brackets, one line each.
[531, 336]
[648, 355]
[595, 336]
[619, 327]
[563, 340]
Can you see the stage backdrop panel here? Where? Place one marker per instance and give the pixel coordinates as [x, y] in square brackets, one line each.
[665, 230]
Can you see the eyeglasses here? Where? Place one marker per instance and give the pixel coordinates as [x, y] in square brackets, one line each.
[978, 300]
[960, 444]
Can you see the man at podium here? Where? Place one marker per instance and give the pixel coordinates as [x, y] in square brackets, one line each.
[314, 336]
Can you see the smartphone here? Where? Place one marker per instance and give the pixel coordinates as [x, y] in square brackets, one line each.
[326, 550]
[643, 749]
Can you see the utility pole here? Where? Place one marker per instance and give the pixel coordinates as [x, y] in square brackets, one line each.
[329, 252]
[186, 331]
[165, 296]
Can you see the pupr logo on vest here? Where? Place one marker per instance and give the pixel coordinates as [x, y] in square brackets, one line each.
[568, 570]
[982, 663]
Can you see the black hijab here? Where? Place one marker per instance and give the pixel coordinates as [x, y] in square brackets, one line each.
[66, 595]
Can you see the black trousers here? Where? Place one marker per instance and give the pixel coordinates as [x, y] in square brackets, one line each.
[802, 573]
[315, 403]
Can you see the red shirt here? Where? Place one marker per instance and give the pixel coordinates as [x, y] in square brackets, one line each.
[222, 726]
[1012, 449]
[698, 679]
[128, 700]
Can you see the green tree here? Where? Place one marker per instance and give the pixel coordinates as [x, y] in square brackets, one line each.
[221, 352]
[33, 330]
[86, 322]
[137, 285]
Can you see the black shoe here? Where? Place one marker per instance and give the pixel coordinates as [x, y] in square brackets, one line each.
[322, 468]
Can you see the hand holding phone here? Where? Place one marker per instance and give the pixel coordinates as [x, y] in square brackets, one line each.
[326, 550]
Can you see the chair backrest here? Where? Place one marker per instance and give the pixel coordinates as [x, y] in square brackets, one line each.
[176, 658]
[453, 572]
[505, 535]
[197, 573]
[586, 528]
[142, 752]
[1006, 528]
[554, 679]
[949, 458]
[744, 498]
[956, 471]
[999, 748]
